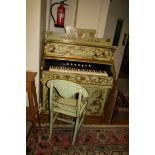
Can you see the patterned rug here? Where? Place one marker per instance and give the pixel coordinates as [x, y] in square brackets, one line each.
[89, 141]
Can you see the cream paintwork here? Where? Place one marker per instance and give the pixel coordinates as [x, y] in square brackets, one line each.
[64, 103]
[96, 53]
[92, 83]
[91, 49]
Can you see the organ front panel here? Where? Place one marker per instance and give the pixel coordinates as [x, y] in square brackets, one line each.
[81, 58]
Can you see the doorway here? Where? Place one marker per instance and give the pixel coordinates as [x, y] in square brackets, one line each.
[117, 29]
[124, 70]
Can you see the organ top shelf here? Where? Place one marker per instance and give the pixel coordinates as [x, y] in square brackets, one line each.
[78, 36]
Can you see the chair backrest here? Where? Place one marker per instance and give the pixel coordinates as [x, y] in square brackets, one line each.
[66, 88]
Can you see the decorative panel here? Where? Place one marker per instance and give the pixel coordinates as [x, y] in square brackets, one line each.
[96, 86]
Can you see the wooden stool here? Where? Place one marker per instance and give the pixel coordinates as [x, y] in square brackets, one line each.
[32, 112]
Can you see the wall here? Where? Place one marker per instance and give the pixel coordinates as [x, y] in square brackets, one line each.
[118, 10]
[42, 26]
[35, 29]
[69, 14]
[91, 14]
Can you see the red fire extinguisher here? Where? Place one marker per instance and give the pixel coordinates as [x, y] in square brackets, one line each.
[60, 14]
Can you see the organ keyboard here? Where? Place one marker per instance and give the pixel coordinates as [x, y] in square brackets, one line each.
[87, 61]
[78, 71]
[76, 67]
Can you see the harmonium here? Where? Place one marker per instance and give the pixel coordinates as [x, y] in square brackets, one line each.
[80, 57]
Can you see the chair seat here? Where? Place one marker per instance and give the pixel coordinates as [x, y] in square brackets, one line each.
[67, 106]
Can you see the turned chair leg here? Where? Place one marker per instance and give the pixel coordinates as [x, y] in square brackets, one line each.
[75, 130]
[51, 126]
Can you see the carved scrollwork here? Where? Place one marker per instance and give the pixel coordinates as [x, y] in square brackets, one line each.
[76, 35]
[79, 78]
[81, 34]
[57, 49]
[96, 90]
[96, 101]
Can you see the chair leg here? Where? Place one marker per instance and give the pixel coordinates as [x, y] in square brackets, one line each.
[51, 126]
[55, 116]
[77, 126]
[34, 131]
[33, 116]
[82, 119]
[38, 119]
[75, 130]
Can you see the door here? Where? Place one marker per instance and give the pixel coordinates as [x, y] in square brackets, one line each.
[117, 29]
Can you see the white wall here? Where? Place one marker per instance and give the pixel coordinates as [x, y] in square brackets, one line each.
[91, 14]
[119, 9]
[69, 14]
[35, 29]
[42, 26]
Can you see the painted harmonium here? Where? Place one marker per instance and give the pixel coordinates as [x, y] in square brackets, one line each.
[79, 57]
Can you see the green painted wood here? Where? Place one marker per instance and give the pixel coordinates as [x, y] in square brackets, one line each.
[67, 103]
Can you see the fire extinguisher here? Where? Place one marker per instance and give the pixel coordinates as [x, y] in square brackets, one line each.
[60, 14]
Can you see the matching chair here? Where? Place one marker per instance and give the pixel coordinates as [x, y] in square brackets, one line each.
[32, 112]
[69, 99]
